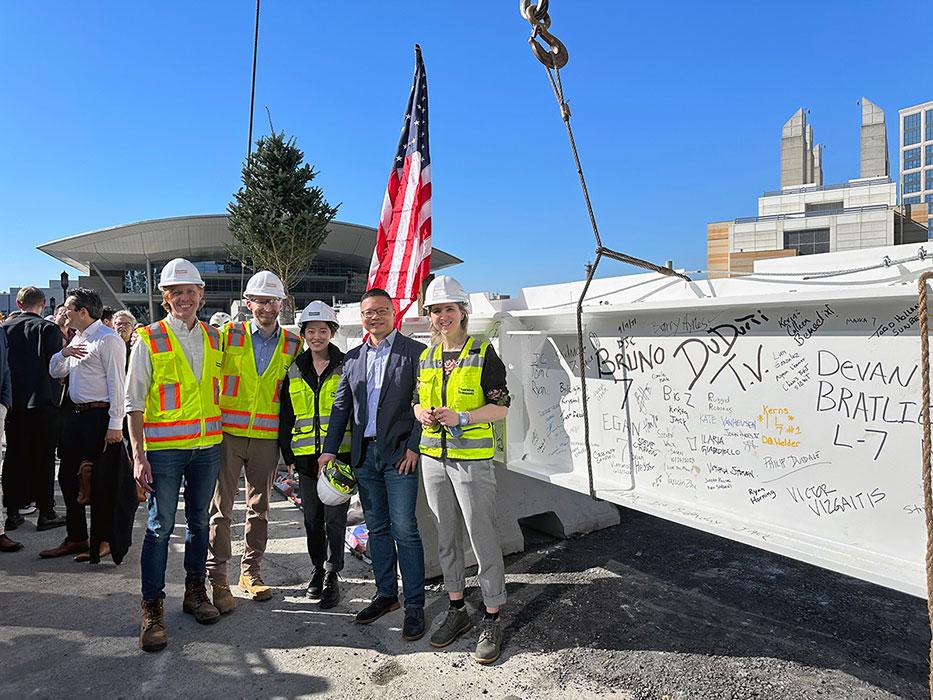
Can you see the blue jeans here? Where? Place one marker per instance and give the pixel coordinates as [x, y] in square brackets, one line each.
[388, 500]
[199, 469]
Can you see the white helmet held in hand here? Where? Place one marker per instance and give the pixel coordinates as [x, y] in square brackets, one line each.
[265, 284]
[317, 311]
[336, 483]
[220, 319]
[179, 271]
[445, 290]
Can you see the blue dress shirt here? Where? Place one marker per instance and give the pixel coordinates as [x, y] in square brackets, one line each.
[376, 360]
[263, 348]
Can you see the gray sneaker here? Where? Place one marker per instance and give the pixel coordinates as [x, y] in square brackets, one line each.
[489, 645]
[456, 623]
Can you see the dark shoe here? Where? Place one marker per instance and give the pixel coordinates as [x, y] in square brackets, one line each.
[455, 623]
[330, 595]
[198, 604]
[66, 548]
[103, 551]
[316, 584]
[379, 607]
[8, 545]
[489, 645]
[413, 629]
[49, 521]
[13, 521]
[152, 635]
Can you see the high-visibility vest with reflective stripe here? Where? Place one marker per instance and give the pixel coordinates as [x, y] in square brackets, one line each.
[249, 402]
[312, 412]
[464, 393]
[181, 412]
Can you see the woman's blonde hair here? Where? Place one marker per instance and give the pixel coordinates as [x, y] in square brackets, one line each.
[436, 336]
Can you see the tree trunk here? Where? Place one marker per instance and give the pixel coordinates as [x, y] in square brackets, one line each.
[287, 315]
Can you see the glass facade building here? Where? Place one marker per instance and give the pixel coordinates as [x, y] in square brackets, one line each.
[916, 155]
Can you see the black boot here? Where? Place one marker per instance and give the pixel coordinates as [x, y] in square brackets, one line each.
[316, 584]
[331, 593]
[13, 519]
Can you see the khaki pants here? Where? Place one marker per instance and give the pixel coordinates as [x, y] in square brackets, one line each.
[463, 493]
[258, 458]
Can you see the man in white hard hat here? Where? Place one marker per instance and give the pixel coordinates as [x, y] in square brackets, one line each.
[257, 355]
[173, 413]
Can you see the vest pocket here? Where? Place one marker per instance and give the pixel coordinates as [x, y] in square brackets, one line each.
[231, 385]
[169, 397]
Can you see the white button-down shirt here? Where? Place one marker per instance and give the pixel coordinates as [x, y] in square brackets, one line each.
[98, 376]
[139, 376]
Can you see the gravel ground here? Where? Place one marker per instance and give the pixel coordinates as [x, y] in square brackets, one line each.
[647, 609]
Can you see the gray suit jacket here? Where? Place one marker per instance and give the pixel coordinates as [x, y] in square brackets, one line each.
[396, 427]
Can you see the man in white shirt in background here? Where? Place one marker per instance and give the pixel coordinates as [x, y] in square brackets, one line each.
[94, 362]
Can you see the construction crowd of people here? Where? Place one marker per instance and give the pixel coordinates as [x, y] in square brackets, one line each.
[140, 412]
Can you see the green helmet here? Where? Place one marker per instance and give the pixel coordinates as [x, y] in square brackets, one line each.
[336, 483]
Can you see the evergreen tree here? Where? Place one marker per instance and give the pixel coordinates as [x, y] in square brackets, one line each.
[277, 219]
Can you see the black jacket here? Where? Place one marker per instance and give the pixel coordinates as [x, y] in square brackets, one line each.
[32, 341]
[305, 365]
[396, 427]
[6, 388]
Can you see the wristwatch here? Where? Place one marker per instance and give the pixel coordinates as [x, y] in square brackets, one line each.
[464, 418]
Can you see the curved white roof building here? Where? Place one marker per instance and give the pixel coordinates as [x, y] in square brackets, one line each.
[117, 260]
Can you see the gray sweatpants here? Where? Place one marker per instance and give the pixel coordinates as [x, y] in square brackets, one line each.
[464, 493]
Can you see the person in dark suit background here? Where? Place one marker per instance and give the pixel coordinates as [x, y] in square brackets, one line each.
[32, 421]
[6, 400]
[376, 392]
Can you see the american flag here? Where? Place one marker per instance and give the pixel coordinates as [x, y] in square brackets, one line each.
[402, 258]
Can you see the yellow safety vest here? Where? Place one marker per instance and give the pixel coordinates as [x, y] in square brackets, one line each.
[249, 402]
[464, 393]
[312, 412]
[181, 412]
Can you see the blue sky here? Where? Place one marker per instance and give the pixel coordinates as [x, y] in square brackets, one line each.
[116, 112]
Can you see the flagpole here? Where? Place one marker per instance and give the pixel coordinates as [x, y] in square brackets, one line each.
[252, 91]
[249, 137]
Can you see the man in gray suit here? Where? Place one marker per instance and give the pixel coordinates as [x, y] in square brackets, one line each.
[376, 391]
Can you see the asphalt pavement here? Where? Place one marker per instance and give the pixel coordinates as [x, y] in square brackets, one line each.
[647, 609]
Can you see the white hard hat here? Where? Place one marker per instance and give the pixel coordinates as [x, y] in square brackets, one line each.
[179, 271]
[265, 284]
[317, 311]
[336, 483]
[445, 289]
[220, 319]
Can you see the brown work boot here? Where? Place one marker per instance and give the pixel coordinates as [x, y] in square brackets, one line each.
[253, 585]
[223, 598]
[198, 604]
[152, 635]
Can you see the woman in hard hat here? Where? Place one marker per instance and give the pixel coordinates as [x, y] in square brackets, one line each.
[307, 398]
[461, 392]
